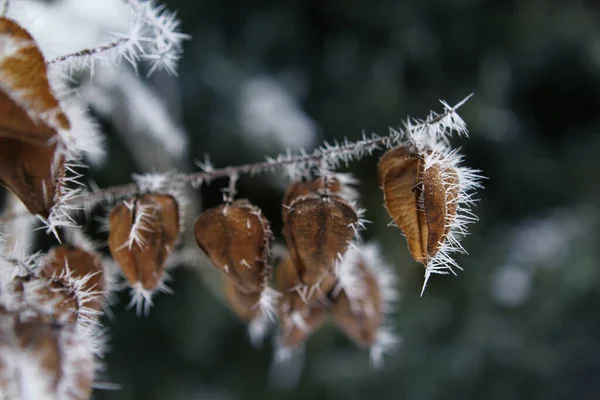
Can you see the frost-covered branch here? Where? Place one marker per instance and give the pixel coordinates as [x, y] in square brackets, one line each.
[327, 156]
[152, 36]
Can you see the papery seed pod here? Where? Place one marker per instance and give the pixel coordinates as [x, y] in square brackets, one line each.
[428, 196]
[440, 194]
[40, 360]
[244, 305]
[365, 294]
[81, 272]
[300, 311]
[29, 118]
[301, 189]
[318, 228]
[320, 231]
[32, 173]
[57, 300]
[236, 238]
[143, 232]
[398, 172]
[25, 76]
[45, 352]
[359, 313]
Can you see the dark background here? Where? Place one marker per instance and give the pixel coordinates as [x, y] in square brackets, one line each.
[521, 321]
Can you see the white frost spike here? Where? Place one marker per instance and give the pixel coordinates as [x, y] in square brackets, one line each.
[268, 302]
[141, 297]
[385, 342]
[258, 329]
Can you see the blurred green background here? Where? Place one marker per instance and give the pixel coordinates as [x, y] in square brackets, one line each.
[258, 76]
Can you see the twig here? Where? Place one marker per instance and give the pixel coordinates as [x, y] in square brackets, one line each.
[334, 154]
[89, 52]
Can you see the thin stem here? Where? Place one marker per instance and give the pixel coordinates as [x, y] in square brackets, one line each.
[89, 52]
[331, 154]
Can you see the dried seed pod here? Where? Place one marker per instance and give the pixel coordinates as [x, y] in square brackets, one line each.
[301, 189]
[244, 305]
[46, 359]
[365, 293]
[237, 238]
[32, 173]
[318, 229]
[143, 232]
[360, 313]
[29, 118]
[440, 194]
[45, 352]
[81, 272]
[398, 173]
[300, 311]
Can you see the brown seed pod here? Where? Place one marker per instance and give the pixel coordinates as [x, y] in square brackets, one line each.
[318, 228]
[29, 118]
[27, 170]
[299, 312]
[302, 189]
[50, 349]
[244, 305]
[237, 238]
[360, 314]
[440, 192]
[143, 232]
[80, 271]
[399, 176]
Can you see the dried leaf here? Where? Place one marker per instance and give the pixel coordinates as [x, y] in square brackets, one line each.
[236, 238]
[143, 232]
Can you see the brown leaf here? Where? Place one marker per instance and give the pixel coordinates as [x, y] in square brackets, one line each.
[153, 221]
[318, 228]
[360, 315]
[399, 174]
[236, 238]
[29, 117]
[81, 265]
[440, 190]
